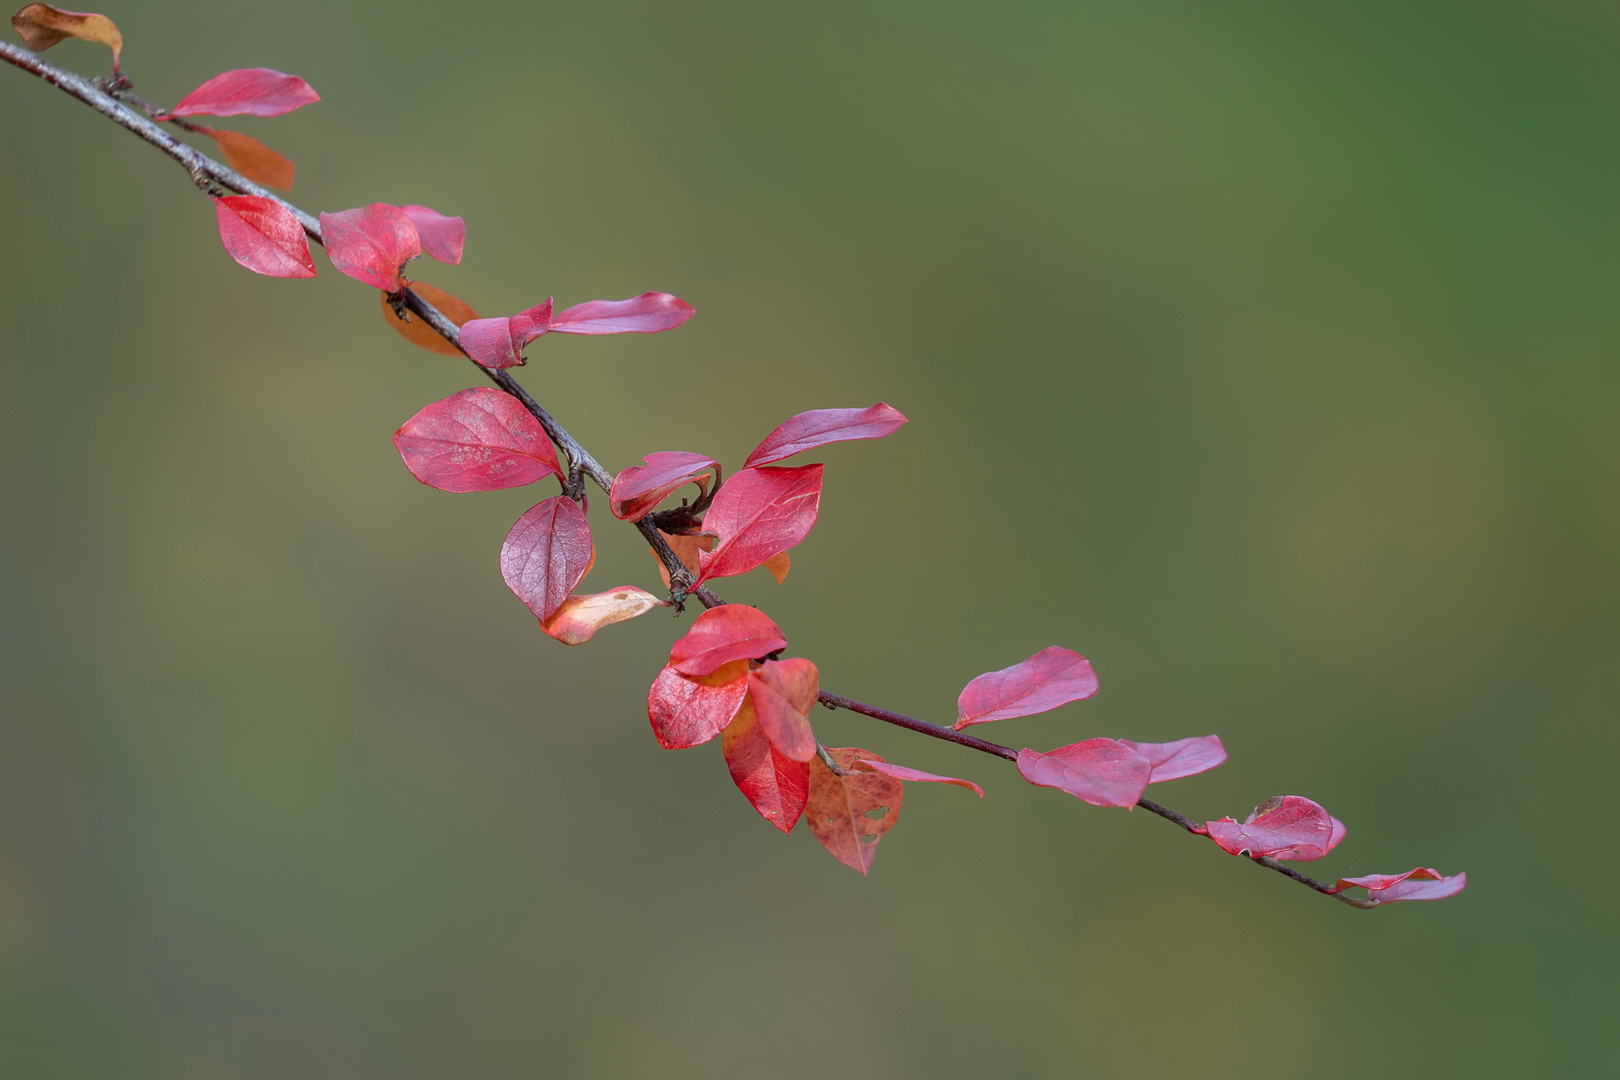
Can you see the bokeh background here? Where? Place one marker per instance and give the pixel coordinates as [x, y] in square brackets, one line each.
[1265, 353]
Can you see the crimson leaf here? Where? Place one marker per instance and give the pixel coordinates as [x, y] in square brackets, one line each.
[442, 237]
[783, 692]
[645, 314]
[371, 243]
[1419, 884]
[1184, 757]
[850, 813]
[478, 440]
[546, 554]
[264, 236]
[639, 488]
[808, 430]
[499, 342]
[1286, 827]
[1052, 677]
[759, 513]
[723, 634]
[686, 712]
[1101, 772]
[249, 91]
[777, 786]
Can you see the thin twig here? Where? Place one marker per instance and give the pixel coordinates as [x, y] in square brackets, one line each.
[210, 175]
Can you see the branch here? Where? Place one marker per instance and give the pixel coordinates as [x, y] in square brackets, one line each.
[209, 175]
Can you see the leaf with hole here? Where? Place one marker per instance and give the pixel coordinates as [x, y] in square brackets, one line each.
[264, 236]
[808, 430]
[850, 813]
[546, 554]
[478, 440]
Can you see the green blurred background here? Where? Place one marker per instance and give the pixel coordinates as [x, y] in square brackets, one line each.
[1265, 353]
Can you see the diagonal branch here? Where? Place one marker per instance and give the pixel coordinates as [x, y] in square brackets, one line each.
[210, 175]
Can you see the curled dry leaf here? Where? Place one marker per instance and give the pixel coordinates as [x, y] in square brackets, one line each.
[41, 26]
[808, 430]
[1286, 827]
[478, 440]
[264, 236]
[578, 619]
[442, 237]
[499, 342]
[1101, 772]
[254, 160]
[371, 243]
[758, 514]
[546, 554]
[1052, 677]
[850, 813]
[1184, 757]
[640, 488]
[688, 712]
[783, 692]
[775, 785]
[418, 332]
[900, 772]
[724, 634]
[686, 549]
[247, 92]
[645, 314]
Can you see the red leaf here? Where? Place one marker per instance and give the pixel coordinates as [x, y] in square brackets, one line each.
[264, 236]
[1098, 771]
[639, 488]
[371, 243]
[442, 237]
[499, 342]
[849, 814]
[41, 26]
[477, 440]
[687, 712]
[546, 554]
[578, 619]
[645, 314]
[723, 634]
[809, 430]
[759, 513]
[783, 693]
[1419, 884]
[1286, 827]
[1184, 757]
[900, 772]
[253, 159]
[777, 786]
[250, 91]
[1052, 677]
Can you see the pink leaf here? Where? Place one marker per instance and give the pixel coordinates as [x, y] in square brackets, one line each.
[250, 91]
[850, 813]
[688, 712]
[1052, 677]
[723, 634]
[546, 554]
[1378, 882]
[499, 342]
[1286, 827]
[759, 513]
[578, 618]
[1413, 886]
[645, 314]
[900, 772]
[809, 430]
[638, 489]
[775, 785]
[1098, 771]
[442, 237]
[371, 243]
[477, 440]
[264, 236]
[1184, 757]
[783, 692]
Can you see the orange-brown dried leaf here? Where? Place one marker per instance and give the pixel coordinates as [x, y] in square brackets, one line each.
[686, 549]
[779, 565]
[420, 333]
[850, 813]
[41, 26]
[581, 616]
[254, 160]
